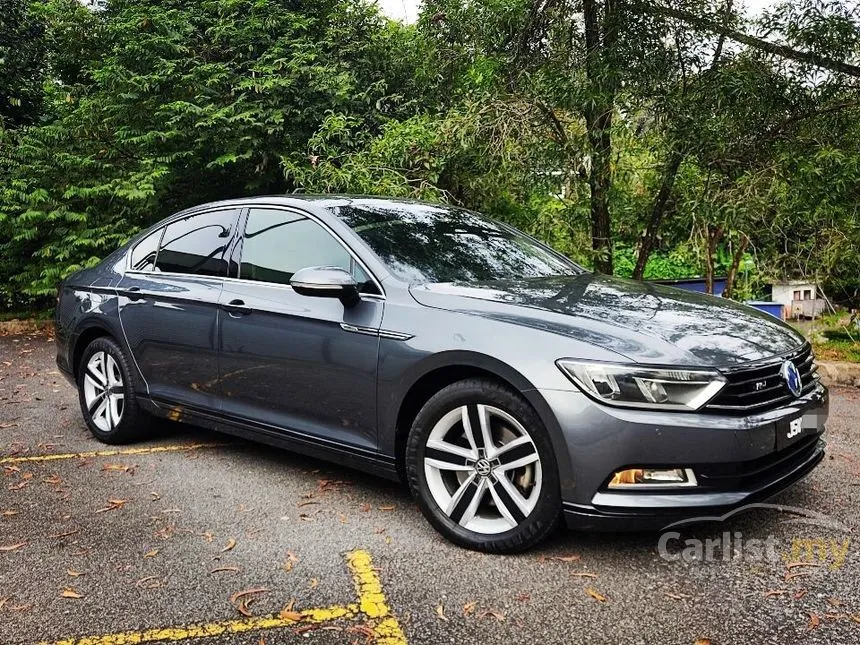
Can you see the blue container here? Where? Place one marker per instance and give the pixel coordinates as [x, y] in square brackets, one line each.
[775, 309]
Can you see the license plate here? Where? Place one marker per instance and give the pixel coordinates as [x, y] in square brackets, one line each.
[790, 432]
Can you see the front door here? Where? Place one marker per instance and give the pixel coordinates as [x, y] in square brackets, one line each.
[287, 363]
[169, 307]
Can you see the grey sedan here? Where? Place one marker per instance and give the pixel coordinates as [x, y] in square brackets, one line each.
[508, 386]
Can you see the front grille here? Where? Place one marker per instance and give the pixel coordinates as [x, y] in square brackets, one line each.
[751, 390]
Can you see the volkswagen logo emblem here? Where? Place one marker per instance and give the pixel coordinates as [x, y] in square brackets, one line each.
[483, 467]
[791, 376]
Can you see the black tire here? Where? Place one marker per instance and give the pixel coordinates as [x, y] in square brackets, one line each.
[545, 515]
[133, 422]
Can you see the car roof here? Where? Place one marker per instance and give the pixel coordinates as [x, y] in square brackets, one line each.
[321, 201]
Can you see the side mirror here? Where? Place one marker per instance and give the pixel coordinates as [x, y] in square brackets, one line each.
[326, 282]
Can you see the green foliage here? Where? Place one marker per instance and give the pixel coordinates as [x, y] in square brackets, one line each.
[115, 119]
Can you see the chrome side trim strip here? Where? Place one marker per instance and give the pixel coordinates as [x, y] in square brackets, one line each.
[370, 331]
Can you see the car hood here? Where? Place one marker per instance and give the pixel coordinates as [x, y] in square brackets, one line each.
[641, 321]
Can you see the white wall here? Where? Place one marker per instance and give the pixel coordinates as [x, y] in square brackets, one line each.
[784, 293]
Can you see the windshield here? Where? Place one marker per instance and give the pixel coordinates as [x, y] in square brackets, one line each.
[422, 243]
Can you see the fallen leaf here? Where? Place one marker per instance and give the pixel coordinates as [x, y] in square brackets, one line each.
[116, 468]
[9, 513]
[469, 607]
[387, 507]
[814, 621]
[365, 507]
[68, 592]
[774, 592]
[3, 426]
[595, 594]
[440, 613]
[208, 536]
[796, 574]
[702, 641]
[792, 565]
[219, 569]
[151, 554]
[287, 613]
[155, 496]
[17, 486]
[57, 536]
[314, 583]
[291, 560]
[150, 582]
[674, 596]
[113, 504]
[74, 573]
[230, 544]
[247, 592]
[835, 602]
[500, 616]
[565, 558]
[583, 574]
[523, 597]
[53, 480]
[12, 547]
[306, 503]
[800, 594]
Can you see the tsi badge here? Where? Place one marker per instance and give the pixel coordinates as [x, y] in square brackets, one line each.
[791, 376]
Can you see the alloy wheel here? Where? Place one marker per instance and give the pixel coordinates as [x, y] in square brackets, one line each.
[104, 393]
[482, 468]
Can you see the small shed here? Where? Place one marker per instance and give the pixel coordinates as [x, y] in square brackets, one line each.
[801, 298]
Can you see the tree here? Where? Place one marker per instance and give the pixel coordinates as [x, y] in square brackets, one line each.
[22, 63]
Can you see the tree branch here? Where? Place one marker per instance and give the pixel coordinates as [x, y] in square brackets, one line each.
[783, 51]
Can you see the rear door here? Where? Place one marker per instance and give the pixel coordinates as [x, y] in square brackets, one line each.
[169, 306]
[291, 362]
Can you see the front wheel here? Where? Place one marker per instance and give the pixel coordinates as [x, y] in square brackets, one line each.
[106, 394]
[481, 465]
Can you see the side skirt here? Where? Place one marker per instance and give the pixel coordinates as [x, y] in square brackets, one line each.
[292, 440]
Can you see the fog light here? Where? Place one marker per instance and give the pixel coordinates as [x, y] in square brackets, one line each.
[648, 477]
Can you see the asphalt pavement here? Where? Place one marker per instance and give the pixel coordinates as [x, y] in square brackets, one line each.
[194, 537]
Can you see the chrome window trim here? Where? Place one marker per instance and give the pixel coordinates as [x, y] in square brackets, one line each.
[372, 296]
[327, 228]
[172, 219]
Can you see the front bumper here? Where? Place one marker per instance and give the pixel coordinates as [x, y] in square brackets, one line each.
[737, 461]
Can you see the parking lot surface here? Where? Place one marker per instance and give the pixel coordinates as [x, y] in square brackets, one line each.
[194, 537]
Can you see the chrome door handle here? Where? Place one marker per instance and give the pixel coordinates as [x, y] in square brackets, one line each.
[236, 307]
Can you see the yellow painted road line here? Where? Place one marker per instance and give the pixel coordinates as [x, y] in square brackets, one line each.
[371, 600]
[206, 630]
[111, 453]
[371, 605]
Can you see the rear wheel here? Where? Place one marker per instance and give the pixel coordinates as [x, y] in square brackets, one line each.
[481, 465]
[106, 396]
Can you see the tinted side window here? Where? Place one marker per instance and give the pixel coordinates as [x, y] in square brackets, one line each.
[196, 244]
[143, 255]
[279, 243]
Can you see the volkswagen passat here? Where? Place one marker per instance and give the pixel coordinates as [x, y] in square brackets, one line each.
[507, 385]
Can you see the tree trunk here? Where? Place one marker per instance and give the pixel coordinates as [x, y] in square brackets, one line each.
[733, 269]
[658, 209]
[600, 45]
[713, 233]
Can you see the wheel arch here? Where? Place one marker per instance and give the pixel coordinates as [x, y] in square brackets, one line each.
[86, 334]
[445, 368]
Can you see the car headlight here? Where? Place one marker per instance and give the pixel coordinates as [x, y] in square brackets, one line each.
[644, 387]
